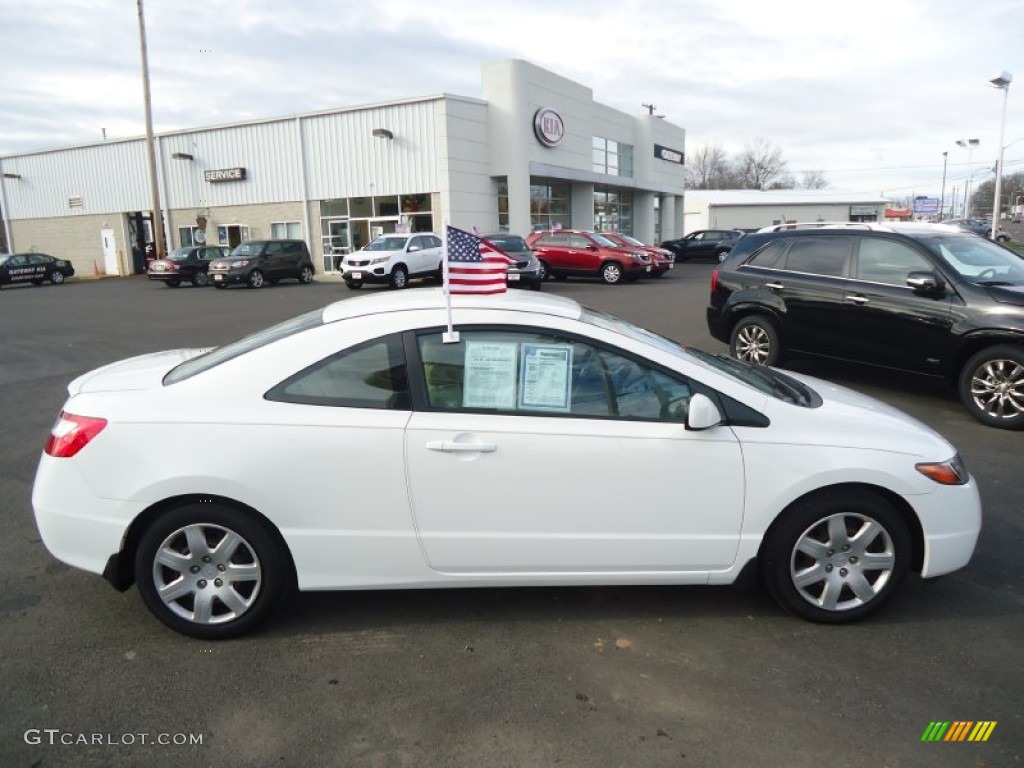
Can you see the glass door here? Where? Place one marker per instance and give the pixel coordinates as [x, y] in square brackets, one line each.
[336, 243]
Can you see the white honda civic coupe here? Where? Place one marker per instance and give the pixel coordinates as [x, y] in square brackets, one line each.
[361, 446]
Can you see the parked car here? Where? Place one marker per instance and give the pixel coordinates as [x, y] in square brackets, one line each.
[577, 253]
[979, 227]
[662, 259]
[257, 262]
[190, 265]
[526, 272]
[35, 268]
[395, 259]
[924, 298]
[703, 244]
[831, 495]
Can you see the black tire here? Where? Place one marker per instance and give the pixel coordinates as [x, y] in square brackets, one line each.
[991, 386]
[200, 279]
[56, 277]
[545, 270]
[354, 285]
[172, 283]
[219, 286]
[255, 279]
[755, 339]
[399, 277]
[837, 556]
[306, 275]
[612, 273]
[192, 535]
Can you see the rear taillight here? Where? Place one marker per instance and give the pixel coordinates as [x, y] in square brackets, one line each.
[714, 280]
[72, 433]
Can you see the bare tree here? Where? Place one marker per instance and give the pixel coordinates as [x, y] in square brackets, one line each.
[760, 164]
[707, 168]
[814, 180]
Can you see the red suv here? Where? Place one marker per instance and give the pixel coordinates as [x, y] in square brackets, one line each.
[662, 259]
[565, 252]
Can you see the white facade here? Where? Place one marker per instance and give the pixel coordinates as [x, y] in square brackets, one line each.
[338, 178]
[752, 209]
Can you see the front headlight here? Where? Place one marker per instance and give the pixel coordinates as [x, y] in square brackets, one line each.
[240, 263]
[952, 472]
[640, 256]
[379, 259]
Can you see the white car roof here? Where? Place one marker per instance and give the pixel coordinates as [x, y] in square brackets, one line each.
[434, 298]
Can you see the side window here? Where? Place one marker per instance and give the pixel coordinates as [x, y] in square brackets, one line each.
[532, 374]
[273, 249]
[886, 261]
[17, 261]
[769, 255]
[371, 375]
[819, 255]
[38, 258]
[699, 235]
[417, 243]
[578, 241]
[293, 249]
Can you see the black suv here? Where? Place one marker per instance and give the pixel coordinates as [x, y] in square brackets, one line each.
[263, 261]
[704, 244]
[923, 298]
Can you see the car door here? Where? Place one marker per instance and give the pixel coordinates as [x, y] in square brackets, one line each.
[419, 255]
[41, 265]
[18, 269]
[889, 323]
[553, 249]
[275, 263]
[548, 454]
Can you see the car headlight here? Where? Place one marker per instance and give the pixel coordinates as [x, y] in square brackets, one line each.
[240, 263]
[639, 256]
[951, 472]
[379, 259]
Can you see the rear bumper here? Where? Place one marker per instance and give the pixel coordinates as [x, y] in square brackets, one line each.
[716, 325]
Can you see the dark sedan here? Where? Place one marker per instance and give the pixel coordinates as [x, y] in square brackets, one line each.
[704, 244]
[526, 273]
[189, 265]
[35, 268]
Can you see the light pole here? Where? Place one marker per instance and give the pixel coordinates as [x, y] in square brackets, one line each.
[942, 198]
[969, 145]
[1001, 81]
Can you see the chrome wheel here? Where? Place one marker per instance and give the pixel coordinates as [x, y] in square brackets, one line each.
[997, 388]
[255, 279]
[755, 340]
[200, 279]
[56, 277]
[611, 273]
[306, 275]
[842, 562]
[207, 574]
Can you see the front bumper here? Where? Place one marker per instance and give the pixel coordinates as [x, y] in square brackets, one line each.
[524, 277]
[372, 273]
[229, 277]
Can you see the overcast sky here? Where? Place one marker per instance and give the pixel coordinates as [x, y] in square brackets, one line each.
[870, 93]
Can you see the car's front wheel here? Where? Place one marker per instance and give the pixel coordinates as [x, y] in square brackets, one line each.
[754, 339]
[611, 273]
[992, 386]
[209, 571]
[399, 277]
[836, 556]
[255, 279]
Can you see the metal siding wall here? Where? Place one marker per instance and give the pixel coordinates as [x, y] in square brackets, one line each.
[108, 177]
[345, 159]
[268, 151]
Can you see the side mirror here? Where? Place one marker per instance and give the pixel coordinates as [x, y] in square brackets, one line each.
[926, 283]
[413, 248]
[702, 413]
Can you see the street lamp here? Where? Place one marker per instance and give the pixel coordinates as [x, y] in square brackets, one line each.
[969, 144]
[1001, 81]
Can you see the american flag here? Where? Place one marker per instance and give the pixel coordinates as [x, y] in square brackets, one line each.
[475, 265]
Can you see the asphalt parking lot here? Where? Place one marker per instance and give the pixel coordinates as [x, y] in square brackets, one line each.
[502, 677]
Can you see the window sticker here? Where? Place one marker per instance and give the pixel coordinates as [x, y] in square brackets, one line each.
[490, 375]
[544, 377]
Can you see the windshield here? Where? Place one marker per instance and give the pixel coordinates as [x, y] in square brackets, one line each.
[508, 243]
[387, 243]
[253, 341]
[604, 241]
[632, 241]
[181, 254]
[765, 380]
[978, 261]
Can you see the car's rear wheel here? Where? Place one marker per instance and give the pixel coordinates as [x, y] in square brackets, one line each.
[209, 571]
[399, 277]
[611, 272]
[255, 279]
[200, 279]
[306, 275]
[754, 339]
[56, 277]
[992, 386]
[836, 556]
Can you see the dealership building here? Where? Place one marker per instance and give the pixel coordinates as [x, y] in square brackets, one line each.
[536, 152]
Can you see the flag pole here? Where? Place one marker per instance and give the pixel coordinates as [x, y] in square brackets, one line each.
[451, 336]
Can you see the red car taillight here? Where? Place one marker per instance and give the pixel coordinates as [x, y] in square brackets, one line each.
[72, 433]
[714, 280]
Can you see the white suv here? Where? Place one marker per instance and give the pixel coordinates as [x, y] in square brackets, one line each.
[394, 259]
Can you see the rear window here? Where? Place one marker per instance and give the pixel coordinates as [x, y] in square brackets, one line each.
[508, 242]
[238, 348]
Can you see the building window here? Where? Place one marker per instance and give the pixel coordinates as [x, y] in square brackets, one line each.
[613, 157]
[613, 209]
[503, 224]
[187, 237]
[286, 230]
[330, 208]
[549, 205]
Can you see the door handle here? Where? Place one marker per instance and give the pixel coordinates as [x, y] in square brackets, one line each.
[774, 286]
[858, 300]
[450, 446]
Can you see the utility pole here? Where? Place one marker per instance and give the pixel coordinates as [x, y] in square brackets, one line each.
[942, 198]
[158, 219]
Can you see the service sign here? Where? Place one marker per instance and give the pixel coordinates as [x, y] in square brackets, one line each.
[670, 155]
[548, 127]
[225, 174]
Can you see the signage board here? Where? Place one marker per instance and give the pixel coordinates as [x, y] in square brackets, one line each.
[225, 174]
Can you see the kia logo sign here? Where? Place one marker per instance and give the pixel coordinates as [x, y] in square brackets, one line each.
[227, 174]
[671, 155]
[548, 127]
